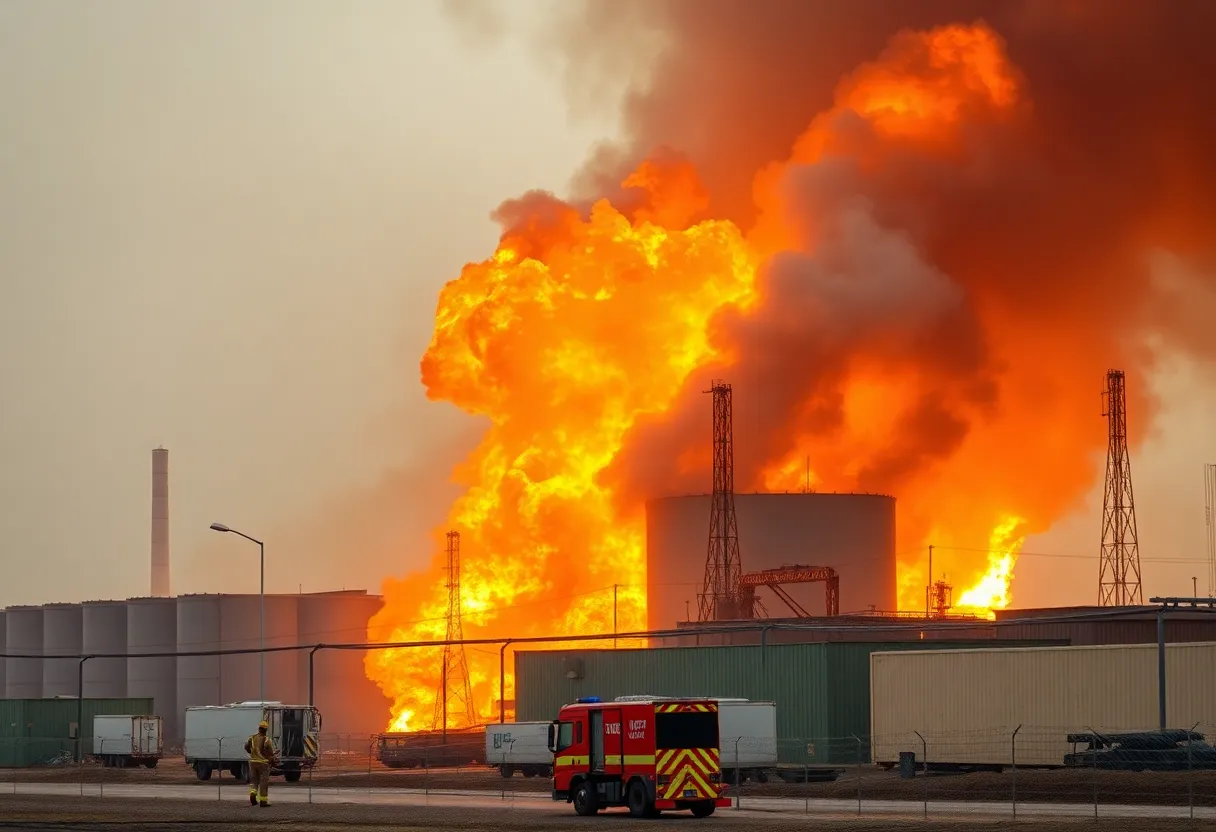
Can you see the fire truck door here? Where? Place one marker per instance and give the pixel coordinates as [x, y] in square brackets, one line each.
[597, 740]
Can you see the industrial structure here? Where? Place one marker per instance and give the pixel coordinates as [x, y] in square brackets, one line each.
[1119, 570]
[454, 670]
[42, 644]
[852, 534]
[160, 523]
[720, 598]
[1209, 485]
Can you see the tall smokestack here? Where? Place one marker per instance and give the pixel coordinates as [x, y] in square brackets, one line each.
[160, 523]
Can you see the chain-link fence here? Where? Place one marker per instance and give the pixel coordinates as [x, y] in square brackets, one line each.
[1022, 771]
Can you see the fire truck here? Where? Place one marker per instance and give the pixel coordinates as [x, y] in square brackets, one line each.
[648, 755]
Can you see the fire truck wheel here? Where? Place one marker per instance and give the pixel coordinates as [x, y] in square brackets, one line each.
[702, 810]
[638, 800]
[584, 800]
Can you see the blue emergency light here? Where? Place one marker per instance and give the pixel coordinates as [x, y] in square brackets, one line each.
[588, 700]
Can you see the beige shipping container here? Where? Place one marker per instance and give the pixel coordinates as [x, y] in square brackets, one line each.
[967, 704]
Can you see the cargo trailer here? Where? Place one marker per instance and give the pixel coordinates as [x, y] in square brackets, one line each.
[988, 709]
[216, 735]
[126, 741]
[453, 748]
[519, 746]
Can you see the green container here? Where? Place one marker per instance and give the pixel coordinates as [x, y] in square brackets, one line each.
[822, 690]
[43, 731]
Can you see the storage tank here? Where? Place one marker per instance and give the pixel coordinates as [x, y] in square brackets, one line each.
[62, 635]
[198, 628]
[239, 630]
[349, 701]
[852, 533]
[152, 628]
[23, 636]
[104, 630]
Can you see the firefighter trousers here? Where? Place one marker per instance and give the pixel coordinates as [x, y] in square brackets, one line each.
[259, 782]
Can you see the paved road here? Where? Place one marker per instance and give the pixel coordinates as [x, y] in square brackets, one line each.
[540, 802]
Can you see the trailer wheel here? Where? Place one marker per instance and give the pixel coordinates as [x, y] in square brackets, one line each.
[530, 771]
[150, 763]
[506, 771]
[292, 776]
[638, 800]
[202, 770]
[584, 800]
[702, 809]
[762, 776]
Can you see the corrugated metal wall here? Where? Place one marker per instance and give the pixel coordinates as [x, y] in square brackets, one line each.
[822, 690]
[967, 704]
[37, 731]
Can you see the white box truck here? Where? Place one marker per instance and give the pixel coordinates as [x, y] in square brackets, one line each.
[125, 741]
[747, 737]
[216, 734]
[519, 746]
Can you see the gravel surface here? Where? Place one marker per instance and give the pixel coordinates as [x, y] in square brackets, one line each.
[22, 812]
[1058, 786]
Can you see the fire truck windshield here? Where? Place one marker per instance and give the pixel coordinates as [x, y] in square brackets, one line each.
[686, 730]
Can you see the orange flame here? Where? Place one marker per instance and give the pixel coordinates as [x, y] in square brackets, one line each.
[577, 328]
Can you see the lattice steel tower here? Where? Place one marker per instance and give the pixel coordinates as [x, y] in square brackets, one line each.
[1119, 573]
[455, 666]
[720, 595]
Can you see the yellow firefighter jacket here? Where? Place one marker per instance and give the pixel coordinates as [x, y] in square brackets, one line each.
[260, 749]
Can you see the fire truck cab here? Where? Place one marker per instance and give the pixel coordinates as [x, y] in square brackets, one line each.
[648, 755]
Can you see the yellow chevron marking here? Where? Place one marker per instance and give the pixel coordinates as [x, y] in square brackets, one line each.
[664, 759]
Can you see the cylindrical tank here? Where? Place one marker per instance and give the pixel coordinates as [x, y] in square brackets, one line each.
[240, 619]
[62, 635]
[23, 637]
[852, 533]
[152, 628]
[198, 628]
[104, 630]
[3, 639]
[349, 702]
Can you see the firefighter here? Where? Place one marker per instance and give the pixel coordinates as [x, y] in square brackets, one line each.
[261, 751]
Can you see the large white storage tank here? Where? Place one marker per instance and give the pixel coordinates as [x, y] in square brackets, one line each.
[966, 704]
[350, 703]
[852, 533]
[198, 629]
[104, 630]
[152, 628]
[23, 637]
[62, 635]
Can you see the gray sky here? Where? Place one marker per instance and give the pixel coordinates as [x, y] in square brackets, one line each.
[223, 227]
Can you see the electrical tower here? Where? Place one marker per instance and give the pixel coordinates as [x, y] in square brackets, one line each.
[1119, 573]
[454, 677]
[720, 595]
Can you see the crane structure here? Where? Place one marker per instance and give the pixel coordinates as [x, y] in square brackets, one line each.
[719, 598]
[1119, 570]
[455, 664]
[774, 579]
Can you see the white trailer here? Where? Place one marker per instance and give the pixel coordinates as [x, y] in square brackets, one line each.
[125, 741]
[747, 737]
[216, 735]
[519, 746]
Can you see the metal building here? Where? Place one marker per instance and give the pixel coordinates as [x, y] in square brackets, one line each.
[822, 690]
[41, 731]
[23, 637]
[967, 704]
[852, 533]
[104, 631]
[152, 628]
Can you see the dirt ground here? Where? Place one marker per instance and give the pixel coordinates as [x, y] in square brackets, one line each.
[47, 813]
[1062, 785]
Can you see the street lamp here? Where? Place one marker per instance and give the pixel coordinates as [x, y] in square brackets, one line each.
[220, 527]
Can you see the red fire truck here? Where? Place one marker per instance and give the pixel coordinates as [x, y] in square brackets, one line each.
[648, 755]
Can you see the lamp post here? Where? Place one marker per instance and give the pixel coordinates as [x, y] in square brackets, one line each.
[220, 527]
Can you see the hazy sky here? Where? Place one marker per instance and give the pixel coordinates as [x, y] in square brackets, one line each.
[223, 227]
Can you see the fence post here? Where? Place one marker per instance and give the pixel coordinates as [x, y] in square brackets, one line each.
[859, 767]
[738, 775]
[1093, 765]
[1190, 773]
[924, 747]
[1013, 758]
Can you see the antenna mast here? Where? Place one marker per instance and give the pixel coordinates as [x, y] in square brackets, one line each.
[1119, 573]
[455, 666]
[720, 594]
